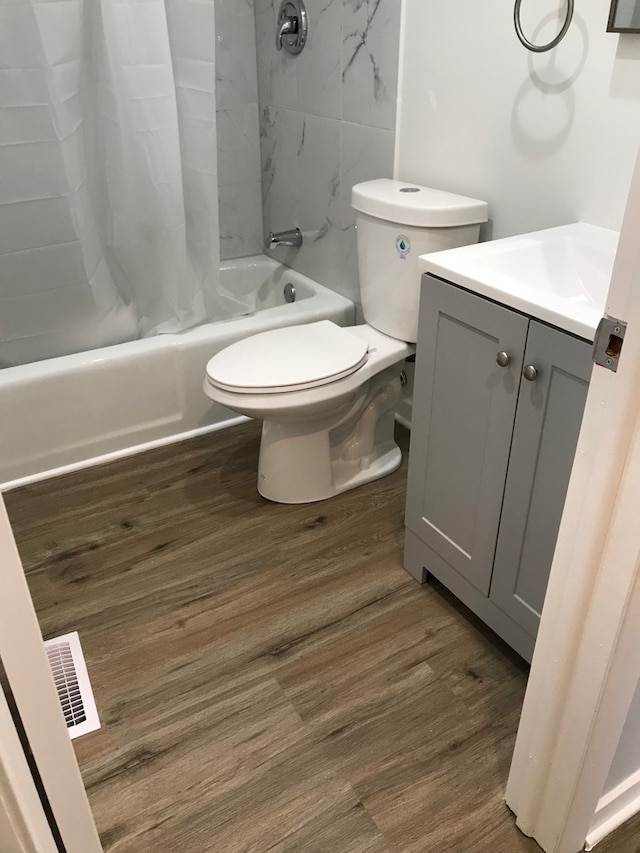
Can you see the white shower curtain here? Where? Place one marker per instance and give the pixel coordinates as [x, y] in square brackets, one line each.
[108, 185]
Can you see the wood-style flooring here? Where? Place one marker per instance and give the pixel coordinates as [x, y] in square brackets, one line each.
[268, 677]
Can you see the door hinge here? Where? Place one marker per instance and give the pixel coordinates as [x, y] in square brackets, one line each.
[607, 345]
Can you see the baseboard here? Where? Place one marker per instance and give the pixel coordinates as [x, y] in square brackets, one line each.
[614, 809]
[121, 454]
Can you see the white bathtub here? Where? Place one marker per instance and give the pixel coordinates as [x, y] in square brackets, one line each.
[78, 410]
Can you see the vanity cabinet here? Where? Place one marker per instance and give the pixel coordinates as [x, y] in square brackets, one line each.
[498, 404]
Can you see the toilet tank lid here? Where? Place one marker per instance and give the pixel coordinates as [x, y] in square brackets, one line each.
[411, 204]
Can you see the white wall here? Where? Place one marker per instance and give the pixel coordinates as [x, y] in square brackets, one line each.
[627, 758]
[545, 139]
[620, 799]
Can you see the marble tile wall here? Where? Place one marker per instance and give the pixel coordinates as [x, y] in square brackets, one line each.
[327, 121]
[239, 165]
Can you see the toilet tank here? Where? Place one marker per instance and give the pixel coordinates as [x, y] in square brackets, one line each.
[396, 223]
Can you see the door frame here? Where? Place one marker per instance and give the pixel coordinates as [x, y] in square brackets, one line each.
[27, 669]
[585, 667]
[23, 824]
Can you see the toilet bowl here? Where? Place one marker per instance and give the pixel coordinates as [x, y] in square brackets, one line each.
[325, 429]
[327, 395]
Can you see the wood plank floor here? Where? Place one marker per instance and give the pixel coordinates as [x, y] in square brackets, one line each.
[269, 678]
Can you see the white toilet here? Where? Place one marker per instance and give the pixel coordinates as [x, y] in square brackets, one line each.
[327, 395]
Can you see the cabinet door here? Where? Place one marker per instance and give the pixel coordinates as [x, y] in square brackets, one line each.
[463, 412]
[546, 431]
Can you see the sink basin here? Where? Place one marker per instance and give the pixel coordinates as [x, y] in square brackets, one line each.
[560, 275]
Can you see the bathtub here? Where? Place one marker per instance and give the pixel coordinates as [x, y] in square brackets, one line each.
[78, 410]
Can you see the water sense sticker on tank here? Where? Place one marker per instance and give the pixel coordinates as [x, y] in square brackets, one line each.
[403, 246]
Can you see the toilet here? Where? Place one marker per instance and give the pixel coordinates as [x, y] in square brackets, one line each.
[327, 395]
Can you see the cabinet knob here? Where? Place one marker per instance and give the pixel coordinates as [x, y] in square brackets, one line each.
[503, 358]
[530, 373]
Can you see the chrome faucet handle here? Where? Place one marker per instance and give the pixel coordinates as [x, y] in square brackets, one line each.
[292, 26]
[287, 25]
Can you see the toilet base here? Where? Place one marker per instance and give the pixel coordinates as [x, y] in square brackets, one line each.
[307, 462]
[281, 491]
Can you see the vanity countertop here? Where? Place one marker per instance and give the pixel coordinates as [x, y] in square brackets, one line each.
[559, 275]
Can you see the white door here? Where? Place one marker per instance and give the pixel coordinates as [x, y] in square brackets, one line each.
[586, 665]
[27, 669]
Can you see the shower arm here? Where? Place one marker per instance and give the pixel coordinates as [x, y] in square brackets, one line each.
[541, 48]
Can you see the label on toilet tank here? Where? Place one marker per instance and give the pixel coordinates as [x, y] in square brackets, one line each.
[403, 246]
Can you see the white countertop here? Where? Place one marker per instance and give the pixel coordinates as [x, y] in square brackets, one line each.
[559, 275]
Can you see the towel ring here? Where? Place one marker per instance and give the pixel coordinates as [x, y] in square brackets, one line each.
[541, 48]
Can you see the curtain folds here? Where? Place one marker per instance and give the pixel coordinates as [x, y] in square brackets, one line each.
[108, 184]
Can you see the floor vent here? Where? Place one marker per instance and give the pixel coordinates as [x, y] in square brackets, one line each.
[71, 678]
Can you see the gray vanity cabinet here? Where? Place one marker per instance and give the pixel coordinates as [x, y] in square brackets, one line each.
[491, 453]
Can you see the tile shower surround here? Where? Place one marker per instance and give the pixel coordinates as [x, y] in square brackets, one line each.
[239, 170]
[327, 121]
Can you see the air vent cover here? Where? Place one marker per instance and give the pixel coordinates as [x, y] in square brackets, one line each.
[72, 683]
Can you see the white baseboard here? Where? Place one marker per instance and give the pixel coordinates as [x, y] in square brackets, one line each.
[614, 809]
[102, 458]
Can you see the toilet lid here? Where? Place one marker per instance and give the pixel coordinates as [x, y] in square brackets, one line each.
[289, 359]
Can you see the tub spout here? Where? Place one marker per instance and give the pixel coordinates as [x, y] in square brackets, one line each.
[292, 238]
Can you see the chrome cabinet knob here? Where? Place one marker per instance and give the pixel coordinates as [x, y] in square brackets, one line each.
[530, 373]
[503, 359]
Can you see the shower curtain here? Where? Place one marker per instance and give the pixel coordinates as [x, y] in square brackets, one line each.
[108, 185]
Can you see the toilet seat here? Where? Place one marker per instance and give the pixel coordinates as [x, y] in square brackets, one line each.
[293, 358]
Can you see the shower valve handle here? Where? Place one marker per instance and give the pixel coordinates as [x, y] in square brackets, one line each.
[292, 26]
[287, 26]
